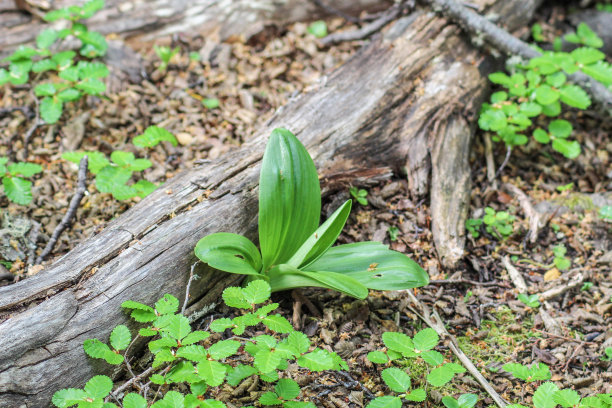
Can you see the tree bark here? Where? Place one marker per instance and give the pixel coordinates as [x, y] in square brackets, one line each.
[144, 21]
[405, 100]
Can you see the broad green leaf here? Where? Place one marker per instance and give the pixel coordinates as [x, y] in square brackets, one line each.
[63, 59]
[121, 158]
[283, 277]
[223, 349]
[541, 136]
[543, 396]
[46, 38]
[213, 372]
[195, 337]
[566, 398]
[499, 97]
[25, 169]
[154, 135]
[398, 342]
[269, 398]
[172, 399]
[545, 95]
[289, 198]
[575, 96]
[219, 325]
[89, 69]
[530, 109]
[287, 389]
[99, 386]
[432, 357]
[234, 297]
[277, 324]
[69, 74]
[587, 56]
[316, 360]
[492, 119]
[556, 80]
[299, 341]
[120, 337]
[266, 360]
[50, 109]
[140, 164]
[95, 348]
[192, 352]
[378, 357]
[560, 128]
[44, 89]
[111, 178]
[21, 53]
[209, 403]
[130, 304]
[417, 395]
[178, 326]
[69, 94]
[68, 397]
[318, 28]
[239, 373]
[210, 103]
[499, 78]
[168, 304]
[55, 15]
[96, 161]
[95, 44]
[425, 340]
[552, 110]
[397, 380]
[257, 291]
[440, 376]
[298, 404]
[450, 402]
[133, 400]
[385, 402]
[600, 71]
[163, 343]
[373, 265]
[91, 86]
[17, 190]
[569, 148]
[229, 252]
[467, 400]
[144, 187]
[323, 238]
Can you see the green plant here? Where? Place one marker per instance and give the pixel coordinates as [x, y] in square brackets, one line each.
[190, 357]
[399, 346]
[393, 232]
[535, 372]
[586, 286]
[73, 79]
[529, 300]
[16, 187]
[112, 176]
[608, 352]
[538, 87]
[359, 195]
[498, 223]
[210, 103]
[473, 226]
[604, 7]
[561, 261]
[464, 401]
[318, 29]
[295, 250]
[605, 212]
[165, 54]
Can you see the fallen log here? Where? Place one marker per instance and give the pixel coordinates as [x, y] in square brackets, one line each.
[405, 98]
[139, 21]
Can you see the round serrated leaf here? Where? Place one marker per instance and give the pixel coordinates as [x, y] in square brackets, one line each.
[278, 324]
[440, 376]
[223, 349]
[154, 135]
[45, 38]
[69, 94]
[111, 178]
[212, 372]
[387, 401]
[209, 403]
[233, 297]
[417, 395]
[545, 95]
[541, 136]
[543, 396]
[99, 386]
[398, 342]
[530, 109]
[299, 341]
[560, 128]
[467, 400]
[575, 96]
[257, 291]
[569, 148]
[68, 397]
[25, 169]
[426, 339]
[17, 190]
[450, 402]
[120, 337]
[378, 357]
[317, 360]
[50, 109]
[287, 389]
[91, 86]
[269, 398]
[396, 379]
[133, 400]
[44, 89]
[168, 304]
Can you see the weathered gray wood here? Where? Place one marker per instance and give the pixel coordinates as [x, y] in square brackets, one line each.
[144, 21]
[387, 106]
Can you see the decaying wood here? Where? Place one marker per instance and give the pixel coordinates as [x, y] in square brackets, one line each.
[403, 98]
[144, 21]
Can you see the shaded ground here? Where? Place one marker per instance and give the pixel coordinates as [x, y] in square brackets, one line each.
[481, 310]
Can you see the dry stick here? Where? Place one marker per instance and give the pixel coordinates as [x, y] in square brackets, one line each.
[511, 45]
[505, 162]
[130, 382]
[574, 282]
[489, 157]
[367, 30]
[191, 278]
[32, 129]
[534, 217]
[72, 209]
[515, 275]
[469, 282]
[438, 326]
[566, 338]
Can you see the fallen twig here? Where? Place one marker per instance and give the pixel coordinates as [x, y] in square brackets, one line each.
[191, 278]
[391, 14]
[489, 157]
[468, 282]
[534, 217]
[72, 209]
[434, 321]
[515, 275]
[509, 44]
[573, 283]
[565, 338]
[505, 162]
[32, 129]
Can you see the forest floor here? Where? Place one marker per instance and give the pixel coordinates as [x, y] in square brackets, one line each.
[570, 331]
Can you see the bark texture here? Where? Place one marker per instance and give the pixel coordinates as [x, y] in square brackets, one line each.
[403, 101]
[143, 21]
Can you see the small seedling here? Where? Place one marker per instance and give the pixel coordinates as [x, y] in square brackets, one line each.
[318, 29]
[359, 195]
[608, 354]
[393, 233]
[165, 54]
[535, 372]
[194, 56]
[529, 300]
[210, 103]
[473, 226]
[16, 187]
[565, 187]
[584, 36]
[467, 296]
[605, 212]
[562, 262]
[586, 286]
[464, 401]
[498, 223]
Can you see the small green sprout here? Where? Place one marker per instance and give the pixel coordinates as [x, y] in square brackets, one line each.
[393, 232]
[562, 262]
[210, 103]
[529, 300]
[318, 29]
[498, 223]
[586, 286]
[165, 54]
[359, 195]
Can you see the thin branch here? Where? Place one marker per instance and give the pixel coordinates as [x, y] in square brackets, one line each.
[515, 275]
[191, 278]
[391, 14]
[504, 163]
[72, 209]
[131, 381]
[37, 122]
[534, 217]
[468, 282]
[507, 43]
[573, 283]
